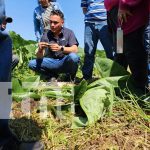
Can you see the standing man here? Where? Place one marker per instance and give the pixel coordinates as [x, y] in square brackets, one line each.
[57, 50]
[7, 140]
[5, 84]
[41, 16]
[95, 29]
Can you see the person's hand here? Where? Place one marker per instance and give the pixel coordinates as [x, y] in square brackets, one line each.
[55, 47]
[40, 51]
[42, 45]
[123, 14]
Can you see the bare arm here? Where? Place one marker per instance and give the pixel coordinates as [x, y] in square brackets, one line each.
[41, 50]
[84, 9]
[56, 47]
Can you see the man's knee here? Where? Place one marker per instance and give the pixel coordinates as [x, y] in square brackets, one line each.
[32, 64]
[73, 57]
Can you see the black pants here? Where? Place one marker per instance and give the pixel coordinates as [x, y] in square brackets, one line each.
[136, 56]
[134, 53]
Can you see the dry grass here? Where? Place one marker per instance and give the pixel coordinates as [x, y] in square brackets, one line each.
[125, 129]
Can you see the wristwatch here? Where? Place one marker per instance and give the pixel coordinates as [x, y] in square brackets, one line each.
[62, 48]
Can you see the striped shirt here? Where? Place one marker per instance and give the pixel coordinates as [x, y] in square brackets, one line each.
[96, 11]
[41, 18]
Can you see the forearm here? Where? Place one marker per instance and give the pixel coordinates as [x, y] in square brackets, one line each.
[72, 49]
[40, 53]
[84, 5]
[38, 36]
[84, 10]
[37, 29]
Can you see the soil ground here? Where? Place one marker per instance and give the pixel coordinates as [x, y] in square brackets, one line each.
[126, 129]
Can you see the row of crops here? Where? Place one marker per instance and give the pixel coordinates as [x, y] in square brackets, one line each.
[95, 99]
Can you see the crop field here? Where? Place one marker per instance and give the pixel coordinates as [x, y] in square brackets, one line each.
[108, 113]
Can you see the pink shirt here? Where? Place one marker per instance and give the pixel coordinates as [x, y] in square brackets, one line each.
[109, 4]
[140, 14]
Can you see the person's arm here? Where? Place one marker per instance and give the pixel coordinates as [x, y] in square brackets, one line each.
[72, 45]
[2, 11]
[42, 45]
[70, 49]
[84, 10]
[84, 6]
[41, 49]
[124, 9]
[37, 28]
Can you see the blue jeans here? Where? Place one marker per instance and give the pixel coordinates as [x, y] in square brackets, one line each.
[5, 71]
[50, 66]
[147, 46]
[93, 33]
[5, 56]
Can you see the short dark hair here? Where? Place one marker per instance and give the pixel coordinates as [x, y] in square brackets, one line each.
[58, 13]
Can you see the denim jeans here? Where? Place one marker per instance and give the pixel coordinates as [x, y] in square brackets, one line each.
[93, 33]
[5, 56]
[5, 71]
[147, 46]
[50, 66]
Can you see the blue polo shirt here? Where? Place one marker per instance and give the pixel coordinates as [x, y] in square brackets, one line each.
[96, 11]
[66, 38]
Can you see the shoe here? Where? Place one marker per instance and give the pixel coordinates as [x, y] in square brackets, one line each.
[66, 78]
[52, 81]
[31, 146]
[48, 77]
[78, 80]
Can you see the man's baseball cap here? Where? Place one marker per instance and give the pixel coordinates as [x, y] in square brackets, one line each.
[8, 19]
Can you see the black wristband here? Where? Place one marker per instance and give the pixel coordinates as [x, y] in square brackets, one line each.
[62, 48]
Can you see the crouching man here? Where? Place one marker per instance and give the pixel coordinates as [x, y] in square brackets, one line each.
[57, 50]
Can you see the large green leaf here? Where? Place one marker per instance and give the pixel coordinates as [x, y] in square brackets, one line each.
[79, 90]
[78, 122]
[31, 82]
[108, 68]
[92, 103]
[117, 81]
[25, 95]
[16, 86]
